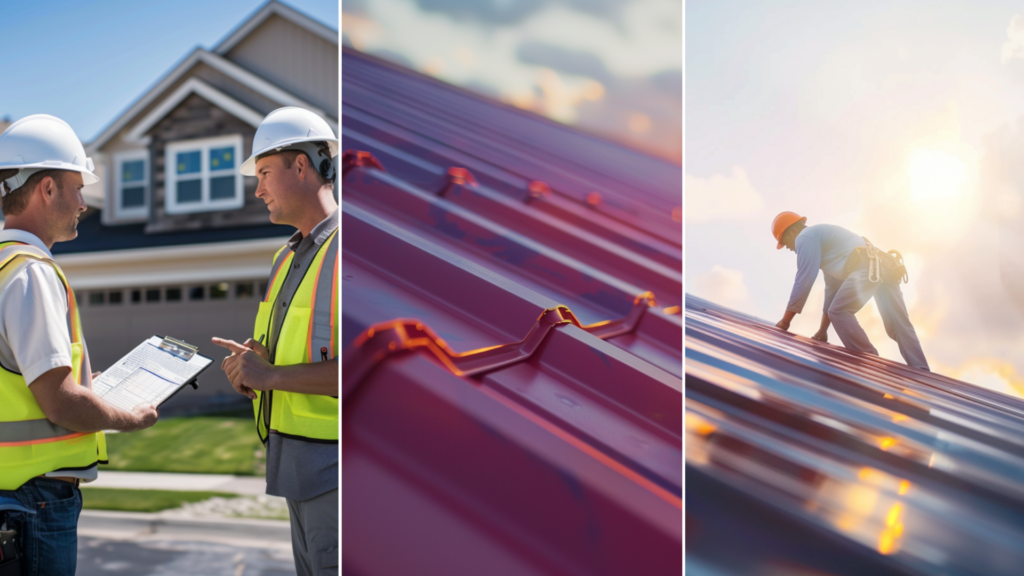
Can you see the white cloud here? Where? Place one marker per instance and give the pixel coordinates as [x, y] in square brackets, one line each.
[1014, 45]
[722, 286]
[720, 196]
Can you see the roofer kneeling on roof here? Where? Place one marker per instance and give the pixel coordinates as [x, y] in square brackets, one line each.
[855, 271]
[50, 420]
[293, 380]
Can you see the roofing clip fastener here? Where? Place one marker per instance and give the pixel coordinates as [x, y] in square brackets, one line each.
[456, 177]
[537, 190]
[359, 158]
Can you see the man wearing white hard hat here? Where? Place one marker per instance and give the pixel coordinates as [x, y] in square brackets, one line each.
[290, 365]
[51, 422]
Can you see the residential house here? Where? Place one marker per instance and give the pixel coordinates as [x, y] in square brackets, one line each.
[175, 242]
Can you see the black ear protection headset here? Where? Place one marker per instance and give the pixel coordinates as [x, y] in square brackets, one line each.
[326, 167]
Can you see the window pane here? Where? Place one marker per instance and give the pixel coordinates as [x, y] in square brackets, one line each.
[136, 296]
[219, 291]
[173, 295]
[133, 171]
[243, 290]
[189, 162]
[152, 295]
[222, 187]
[222, 158]
[133, 197]
[115, 297]
[190, 191]
[96, 298]
[196, 293]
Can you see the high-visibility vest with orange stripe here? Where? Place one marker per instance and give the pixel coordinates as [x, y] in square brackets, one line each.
[308, 334]
[31, 445]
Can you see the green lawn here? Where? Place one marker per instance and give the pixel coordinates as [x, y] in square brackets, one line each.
[142, 500]
[199, 444]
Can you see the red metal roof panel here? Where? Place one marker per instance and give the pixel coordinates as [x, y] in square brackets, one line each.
[512, 354]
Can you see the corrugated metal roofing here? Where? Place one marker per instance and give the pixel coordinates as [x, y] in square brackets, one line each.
[803, 457]
[512, 339]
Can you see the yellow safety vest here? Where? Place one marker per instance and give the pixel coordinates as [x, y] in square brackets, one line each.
[31, 445]
[308, 334]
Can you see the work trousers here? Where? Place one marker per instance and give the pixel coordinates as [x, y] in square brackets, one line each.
[50, 536]
[854, 293]
[315, 534]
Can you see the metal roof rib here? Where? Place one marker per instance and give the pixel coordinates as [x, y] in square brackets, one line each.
[508, 200]
[511, 364]
[541, 158]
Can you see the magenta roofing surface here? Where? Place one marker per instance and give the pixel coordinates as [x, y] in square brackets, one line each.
[824, 461]
[512, 336]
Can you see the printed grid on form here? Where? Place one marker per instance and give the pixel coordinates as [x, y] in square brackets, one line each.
[141, 386]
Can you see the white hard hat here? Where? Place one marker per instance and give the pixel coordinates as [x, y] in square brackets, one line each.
[290, 127]
[42, 142]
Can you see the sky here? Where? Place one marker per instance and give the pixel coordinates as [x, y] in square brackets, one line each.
[86, 62]
[612, 67]
[901, 121]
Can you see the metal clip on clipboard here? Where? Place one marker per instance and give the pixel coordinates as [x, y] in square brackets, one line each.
[181, 349]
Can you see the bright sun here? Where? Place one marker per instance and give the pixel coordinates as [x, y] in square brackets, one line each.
[935, 174]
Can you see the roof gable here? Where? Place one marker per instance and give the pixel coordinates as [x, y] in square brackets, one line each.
[269, 9]
[222, 65]
[194, 86]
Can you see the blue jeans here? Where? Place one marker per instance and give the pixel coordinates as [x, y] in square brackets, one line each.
[50, 536]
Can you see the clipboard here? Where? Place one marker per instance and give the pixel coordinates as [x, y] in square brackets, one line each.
[153, 372]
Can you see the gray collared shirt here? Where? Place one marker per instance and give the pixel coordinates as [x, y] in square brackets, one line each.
[297, 469]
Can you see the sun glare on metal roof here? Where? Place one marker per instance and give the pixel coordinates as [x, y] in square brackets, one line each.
[935, 174]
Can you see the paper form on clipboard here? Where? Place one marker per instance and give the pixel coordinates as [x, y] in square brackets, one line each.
[151, 373]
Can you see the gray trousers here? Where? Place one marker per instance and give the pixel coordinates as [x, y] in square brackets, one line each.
[854, 293]
[315, 534]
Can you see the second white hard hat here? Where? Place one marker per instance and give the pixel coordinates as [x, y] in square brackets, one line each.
[42, 142]
[289, 127]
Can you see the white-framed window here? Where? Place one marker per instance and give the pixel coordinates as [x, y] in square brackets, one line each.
[202, 175]
[131, 186]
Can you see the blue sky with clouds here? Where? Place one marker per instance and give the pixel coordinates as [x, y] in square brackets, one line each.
[899, 120]
[86, 62]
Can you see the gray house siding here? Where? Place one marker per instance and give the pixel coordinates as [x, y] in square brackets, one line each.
[302, 63]
[235, 89]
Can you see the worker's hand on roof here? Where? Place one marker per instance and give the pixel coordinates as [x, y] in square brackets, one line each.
[821, 336]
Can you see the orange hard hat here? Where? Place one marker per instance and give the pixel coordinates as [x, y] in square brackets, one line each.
[782, 221]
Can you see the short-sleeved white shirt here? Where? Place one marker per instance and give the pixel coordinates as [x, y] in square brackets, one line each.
[34, 336]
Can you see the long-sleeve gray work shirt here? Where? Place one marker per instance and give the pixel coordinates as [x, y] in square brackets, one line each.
[822, 247]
